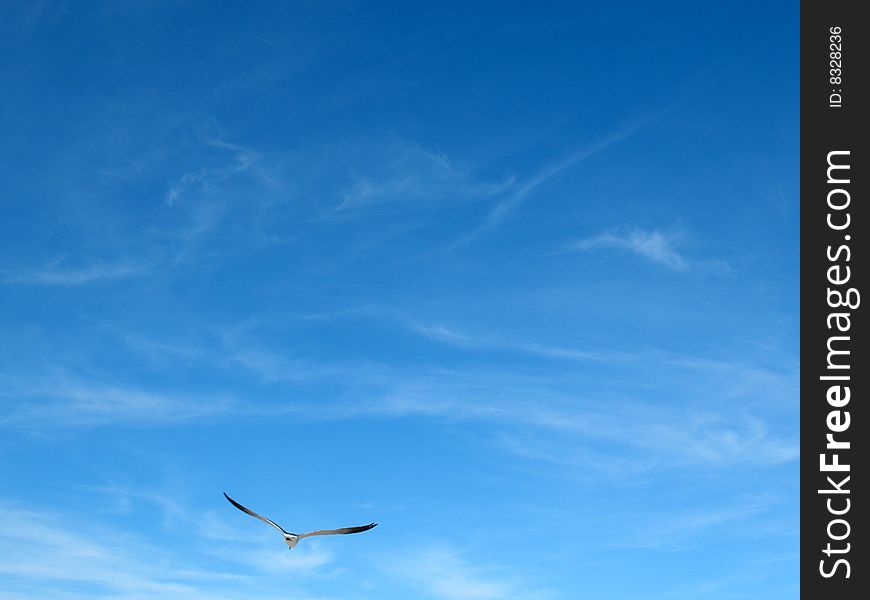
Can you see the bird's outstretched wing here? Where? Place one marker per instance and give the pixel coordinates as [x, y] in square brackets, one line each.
[342, 531]
[253, 514]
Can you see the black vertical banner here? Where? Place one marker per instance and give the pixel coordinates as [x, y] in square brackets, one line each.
[834, 265]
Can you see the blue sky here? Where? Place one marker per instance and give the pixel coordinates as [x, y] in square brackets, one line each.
[519, 283]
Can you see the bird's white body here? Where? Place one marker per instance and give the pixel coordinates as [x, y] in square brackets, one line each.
[291, 540]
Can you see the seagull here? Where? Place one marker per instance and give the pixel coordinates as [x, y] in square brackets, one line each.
[291, 539]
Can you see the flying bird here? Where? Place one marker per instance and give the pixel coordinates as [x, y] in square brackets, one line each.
[291, 539]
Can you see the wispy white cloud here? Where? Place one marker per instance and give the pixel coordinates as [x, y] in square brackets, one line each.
[745, 575]
[444, 573]
[457, 338]
[242, 160]
[70, 401]
[60, 273]
[543, 407]
[47, 552]
[269, 365]
[679, 531]
[124, 497]
[146, 248]
[272, 558]
[71, 556]
[648, 436]
[518, 193]
[412, 177]
[654, 246]
[542, 410]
